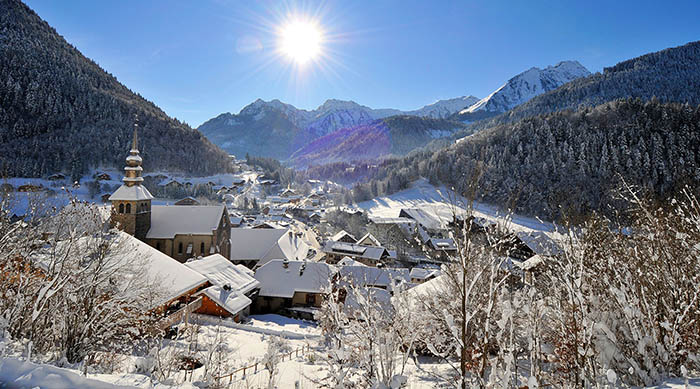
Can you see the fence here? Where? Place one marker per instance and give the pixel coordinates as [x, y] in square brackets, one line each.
[259, 366]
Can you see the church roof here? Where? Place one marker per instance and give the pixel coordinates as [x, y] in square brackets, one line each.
[133, 193]
[170, 220]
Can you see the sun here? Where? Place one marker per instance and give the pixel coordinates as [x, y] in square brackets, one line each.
[301, 41]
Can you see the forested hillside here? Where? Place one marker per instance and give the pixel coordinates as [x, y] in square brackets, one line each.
[395, 136]
[59, 111]
[566, 163]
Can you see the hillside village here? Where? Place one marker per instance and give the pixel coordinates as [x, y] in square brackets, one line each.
[546, 235]
[257, 248]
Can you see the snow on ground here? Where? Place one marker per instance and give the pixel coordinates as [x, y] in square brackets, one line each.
[438, 201]
[283, 323]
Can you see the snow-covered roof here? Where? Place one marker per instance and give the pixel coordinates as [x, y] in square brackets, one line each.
[265, 244]
[446, 244]
[423, 217]
[298, 276]
[230, 300]
[539, 242]
[220, 272]
[170, 277]
[420, 273]
[530, 263]
[132, 193]
[168, 221]
[365, 276]
[347, 261]
[354, 250]
[369, 240]
[342, 234]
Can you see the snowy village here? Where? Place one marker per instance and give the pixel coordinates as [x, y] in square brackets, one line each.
[546, 235]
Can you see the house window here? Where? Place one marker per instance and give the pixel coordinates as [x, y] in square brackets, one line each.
[310, 299]
[158, 246]
[121, 208]
[179, 248]
[201, 248]
[128, 208]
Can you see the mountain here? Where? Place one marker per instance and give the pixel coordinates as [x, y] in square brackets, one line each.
[275, 129]
[565, 151]
[670, 75]
[443, 109]
[59, 111]
[392, 136]
[523, 87]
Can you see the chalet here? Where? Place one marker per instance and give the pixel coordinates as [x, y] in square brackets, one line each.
[255, 247]
[182, 231]
[174, 284]
[238, 182]
[268, 182]
[426, 220]
[420, 275]
[187, 201]
[373, 277]
[525, 244]
[102, 176]
[172, 184]
[369, 240]
[30, 188]
[368, 255]
[343, 236]
[293, 286]
[288, 192]
[233, 287]
[57, 177]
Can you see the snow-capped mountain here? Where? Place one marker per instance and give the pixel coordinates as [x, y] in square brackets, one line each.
[276, 129]
[442, 109]
[527, 85]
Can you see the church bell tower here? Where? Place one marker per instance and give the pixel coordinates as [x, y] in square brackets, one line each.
[131, 203]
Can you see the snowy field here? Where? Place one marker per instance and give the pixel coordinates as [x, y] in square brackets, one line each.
[439, 202]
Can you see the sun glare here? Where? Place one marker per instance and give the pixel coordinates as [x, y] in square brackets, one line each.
[301, 41]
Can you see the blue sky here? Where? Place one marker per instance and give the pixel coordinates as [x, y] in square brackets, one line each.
[197, 59]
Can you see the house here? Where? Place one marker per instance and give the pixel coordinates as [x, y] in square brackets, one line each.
[526, 244]
[420, 275]
[57, 177]
[173, 285]
[255, 247]
[233, 287]
[172, 184]
[187, 201]
[188, 231]
[368, 255]
[295, 287]
[30, 188]
[288, 192]
[102, 176]
[369, 240]
[182, 231]
[374, 277]
[343, 236]
[238, 181]
[427, 221]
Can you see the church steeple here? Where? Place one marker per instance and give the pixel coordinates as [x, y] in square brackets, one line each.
[133, 167]
[131, 203]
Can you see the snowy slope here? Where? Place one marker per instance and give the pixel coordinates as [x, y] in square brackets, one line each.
[442, 109]
[527, 85]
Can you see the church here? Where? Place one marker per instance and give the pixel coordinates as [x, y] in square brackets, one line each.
[179, 231]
